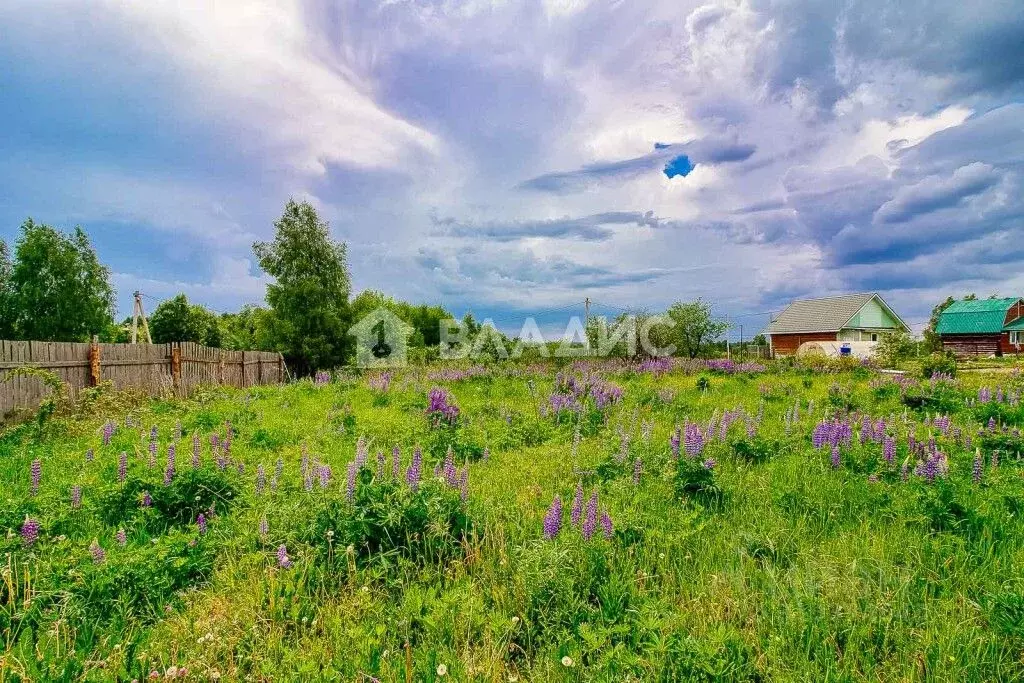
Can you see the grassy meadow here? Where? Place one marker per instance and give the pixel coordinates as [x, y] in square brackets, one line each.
[712, 522]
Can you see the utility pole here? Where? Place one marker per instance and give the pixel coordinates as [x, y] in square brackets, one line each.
[728, 351]
[586, 307]
[139, 312]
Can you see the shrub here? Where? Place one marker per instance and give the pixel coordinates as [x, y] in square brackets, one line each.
[938, 363]
[697, 480]
[178, 504]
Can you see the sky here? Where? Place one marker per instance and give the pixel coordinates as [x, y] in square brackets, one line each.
[512, 158]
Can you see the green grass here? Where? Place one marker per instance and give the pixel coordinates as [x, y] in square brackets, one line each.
[773, 566]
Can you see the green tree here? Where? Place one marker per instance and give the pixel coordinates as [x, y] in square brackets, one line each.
[249, 329]
[694, 327]
[59, 290]
[7, 317]
[176, 320]
[309, 297]
[895, 346]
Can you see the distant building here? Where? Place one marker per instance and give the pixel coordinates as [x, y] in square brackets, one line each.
[850, 318]
[982, 327]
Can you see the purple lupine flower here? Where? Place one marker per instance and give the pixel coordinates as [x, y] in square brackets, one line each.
[201, 523]
[324, 473]
[638, 468]
[361, 452]
[381, 462]
[169, 470]
[694, 440]
[196, 451]
[278, 471]
[449, 472]
[264, 527]
[350, 481]
[76, 497]
[709, 464]
[865, 430]
[442, 408]
[89, 455]
[261, 479]
[396, 462]
[904, 474]
[931, 469]
[992, 424]
[553, 519]
[29, 531]
[121, 537]
[836, 459]
[147, 500]
[577, 505]
[97, 552]
[978, 466]
[283, 561]
[889, 449]
[872, 478]
[590, 519]
[412, 475]
[307, 480]
[152, 454]
[999, 395]
[607, 526]
[994, 459]
[36, 470]
[122, 466]
[675, 441]
[464, 484]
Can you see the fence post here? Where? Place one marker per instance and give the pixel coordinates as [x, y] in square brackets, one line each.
[176, 364]
[280, 368]
[243, 369]
[94, 362]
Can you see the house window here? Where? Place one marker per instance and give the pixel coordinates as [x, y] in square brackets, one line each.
[1015, 337]
[874, 337]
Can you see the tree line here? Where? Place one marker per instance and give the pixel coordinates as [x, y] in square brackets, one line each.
[54, 288]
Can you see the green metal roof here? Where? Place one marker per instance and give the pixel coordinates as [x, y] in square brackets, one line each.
[1017, 324]
[978, 316]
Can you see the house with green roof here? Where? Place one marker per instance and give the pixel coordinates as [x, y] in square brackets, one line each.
[982, 327]
[848, 318]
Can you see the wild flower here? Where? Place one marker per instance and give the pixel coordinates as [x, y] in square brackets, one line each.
[412, 475]
[324, 473]
[147, 500]
[553, 519]
[889, 449]
[994, 459]
[89, 455]
[464, 484]
[978, 467]
[109, 427]
[122, 466]
[261, 479]
[350, 481]
[283, 561]
[97, 552]
[606, 525]
[196, 450]
[904, 474]
[441, 409]
[577, 506]
[448, 470]
[487, 454]
[121, 537]
[201, 523]
[36, 471]
[637, 470]
[709, 464]
[590, 519]
[29, 531]
[675, 442]
[76, 497]
[694, 440]
[836, 458]
[381, 462]
[264, 527]
[321, 378]
[169, 470]
[380, 381]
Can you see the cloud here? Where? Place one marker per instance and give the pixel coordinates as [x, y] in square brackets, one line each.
[664, 157]
[590, 228]
[935, 192]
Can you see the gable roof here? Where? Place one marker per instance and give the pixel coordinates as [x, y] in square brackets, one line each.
[828, 314]
[978, 316]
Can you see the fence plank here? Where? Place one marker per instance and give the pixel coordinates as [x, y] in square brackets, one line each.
[144, 367]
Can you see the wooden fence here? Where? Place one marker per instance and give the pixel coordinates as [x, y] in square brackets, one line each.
[156, 369]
